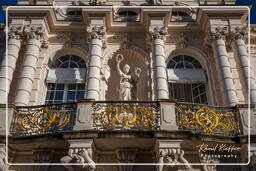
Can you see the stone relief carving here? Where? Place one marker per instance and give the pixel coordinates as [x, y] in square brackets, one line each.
[156, 2]
[79, 155]
[128, 80]
[3, 164]
[98, 2]
[207, 159]
[62, 14]
[218, 32]
[172, 157]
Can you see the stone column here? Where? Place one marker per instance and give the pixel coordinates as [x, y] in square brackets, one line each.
[96, 34]
[42, 156]
[241, 54]
[126, 156]
[158, 38]
[34, 37]
[223, 65]
[9, 65]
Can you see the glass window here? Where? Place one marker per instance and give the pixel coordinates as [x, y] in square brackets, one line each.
[70, 61]
[60, 93]
[187, 92]
[193, 93]
[183, 62]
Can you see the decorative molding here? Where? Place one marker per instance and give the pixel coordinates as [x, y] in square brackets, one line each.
[96, 32]
[158, 32]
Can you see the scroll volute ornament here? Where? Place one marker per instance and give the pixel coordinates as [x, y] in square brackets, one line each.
[158, 32]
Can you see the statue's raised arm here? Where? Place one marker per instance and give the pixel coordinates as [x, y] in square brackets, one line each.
[119, 59]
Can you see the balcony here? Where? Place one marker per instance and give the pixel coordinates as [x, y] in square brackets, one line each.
[129, 116]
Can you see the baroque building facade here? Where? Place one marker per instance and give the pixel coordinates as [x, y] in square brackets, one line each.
[128, 86]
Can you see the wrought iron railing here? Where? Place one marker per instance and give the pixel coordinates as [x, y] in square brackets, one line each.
[44, 119]
[126, 115]
[207, 119]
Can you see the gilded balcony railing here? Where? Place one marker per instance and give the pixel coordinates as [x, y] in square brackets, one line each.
[44, 119]
[126, 115]
[207, 119]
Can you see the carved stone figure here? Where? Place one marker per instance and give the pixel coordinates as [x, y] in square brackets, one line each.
[3, 165]
[83, 156]
[172, 157]
[128, 80]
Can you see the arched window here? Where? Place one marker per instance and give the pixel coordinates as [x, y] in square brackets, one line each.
[181, 15]
[66, 80]
[187, 80]
[70, 61]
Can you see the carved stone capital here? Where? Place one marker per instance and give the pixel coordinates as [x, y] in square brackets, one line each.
[218, 33]
[34, 32]
[80, 152]
[158, 32]
[15, 32]
[238, 33]
[96, 32]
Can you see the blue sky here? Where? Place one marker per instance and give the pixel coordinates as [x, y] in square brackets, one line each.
[253, 9]
[238, 2]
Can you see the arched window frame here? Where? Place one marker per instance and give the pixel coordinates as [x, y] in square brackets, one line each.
[66, 79]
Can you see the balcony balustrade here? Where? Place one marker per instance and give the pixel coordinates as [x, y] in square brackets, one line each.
[120, 115]
[207, 119]
[126, 115]
[34, 120]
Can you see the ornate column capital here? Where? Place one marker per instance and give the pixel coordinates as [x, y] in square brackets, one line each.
[158, 32]
[15, 32]
[33, 32]
[216, 33]
[238, 32]
[96, 32]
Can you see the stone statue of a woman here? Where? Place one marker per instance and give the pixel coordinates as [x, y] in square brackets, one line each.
[128, 80]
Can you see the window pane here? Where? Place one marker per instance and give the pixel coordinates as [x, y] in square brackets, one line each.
[80, 86]
[72, 87]
[59, 86]
[59, 95]
[71, 95]
[80, 95]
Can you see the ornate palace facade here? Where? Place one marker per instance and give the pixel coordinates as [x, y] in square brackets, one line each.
[88, 83]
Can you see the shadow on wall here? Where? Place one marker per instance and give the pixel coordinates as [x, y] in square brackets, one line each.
[133, 59]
